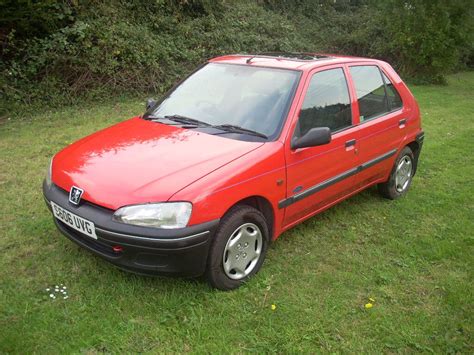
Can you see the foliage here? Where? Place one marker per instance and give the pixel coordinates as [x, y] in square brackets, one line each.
[57, 52]
[34, 18]
[428, 38]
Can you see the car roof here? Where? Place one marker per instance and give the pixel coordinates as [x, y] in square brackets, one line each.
[294, 61]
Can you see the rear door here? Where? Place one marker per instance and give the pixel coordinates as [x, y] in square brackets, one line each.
[382, 122]
[319, 176]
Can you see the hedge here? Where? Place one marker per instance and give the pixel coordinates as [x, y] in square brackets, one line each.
[62, 52]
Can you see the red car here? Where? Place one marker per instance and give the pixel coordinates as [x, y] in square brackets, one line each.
[244, 148]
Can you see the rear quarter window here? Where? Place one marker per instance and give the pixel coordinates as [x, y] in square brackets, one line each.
[394, 99]
[370, 90]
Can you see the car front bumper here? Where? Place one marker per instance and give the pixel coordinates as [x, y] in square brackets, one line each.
[138, 249]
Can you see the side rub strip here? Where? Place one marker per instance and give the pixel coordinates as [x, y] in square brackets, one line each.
[335, 179]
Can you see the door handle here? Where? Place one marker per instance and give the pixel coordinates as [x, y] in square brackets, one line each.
[402, 122]
[350, 144]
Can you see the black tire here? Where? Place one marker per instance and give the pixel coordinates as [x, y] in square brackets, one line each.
[236, 218]
[389, 189]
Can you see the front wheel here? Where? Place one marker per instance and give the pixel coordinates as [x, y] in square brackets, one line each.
[400, 177]
[238, 249]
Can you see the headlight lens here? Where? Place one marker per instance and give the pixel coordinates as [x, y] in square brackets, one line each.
[49, 182]
[167, 215]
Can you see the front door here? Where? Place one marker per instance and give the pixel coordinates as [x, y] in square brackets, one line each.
[320, 176]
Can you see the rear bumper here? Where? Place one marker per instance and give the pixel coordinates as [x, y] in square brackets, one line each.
[420, 137]
[144, 250]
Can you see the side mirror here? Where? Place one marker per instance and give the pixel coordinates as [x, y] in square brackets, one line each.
[150, 103]
[314, 137]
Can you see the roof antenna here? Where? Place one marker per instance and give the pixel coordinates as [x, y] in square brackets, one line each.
[250, 59]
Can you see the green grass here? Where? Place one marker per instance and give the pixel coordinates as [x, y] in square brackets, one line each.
[414, 256]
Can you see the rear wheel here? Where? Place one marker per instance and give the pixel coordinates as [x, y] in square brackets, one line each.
[400, 177]
[238, 249]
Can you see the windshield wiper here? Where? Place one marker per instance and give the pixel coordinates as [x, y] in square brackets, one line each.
[238, 129]
[179, 119]
[223, 127]
[186, 120]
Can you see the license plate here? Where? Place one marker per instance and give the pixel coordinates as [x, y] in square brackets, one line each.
[78, 223]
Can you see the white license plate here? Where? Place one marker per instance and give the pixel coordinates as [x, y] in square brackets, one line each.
[78, 223]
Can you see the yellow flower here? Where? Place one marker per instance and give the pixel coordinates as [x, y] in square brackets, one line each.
[274, 307]
[368, 305]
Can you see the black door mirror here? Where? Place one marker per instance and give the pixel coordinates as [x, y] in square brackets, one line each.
[314, 137]
[150, 103]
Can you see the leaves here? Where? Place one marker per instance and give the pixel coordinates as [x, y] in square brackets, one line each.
[62, 52]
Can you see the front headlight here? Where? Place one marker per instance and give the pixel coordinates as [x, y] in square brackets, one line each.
[159, 215]
[48, 180]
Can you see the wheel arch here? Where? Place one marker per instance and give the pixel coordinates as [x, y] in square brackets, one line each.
[264, 206]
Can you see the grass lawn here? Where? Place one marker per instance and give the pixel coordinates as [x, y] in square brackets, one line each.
[414, 256]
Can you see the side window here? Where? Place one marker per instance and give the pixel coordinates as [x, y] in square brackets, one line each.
[370, 91]
[394, 100]
[326, 103]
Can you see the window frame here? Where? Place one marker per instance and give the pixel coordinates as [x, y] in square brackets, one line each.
[385, 75]
[305, 91]
[286, 112]
[385, 90]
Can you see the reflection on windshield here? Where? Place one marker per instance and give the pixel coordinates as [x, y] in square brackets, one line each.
[250, 97]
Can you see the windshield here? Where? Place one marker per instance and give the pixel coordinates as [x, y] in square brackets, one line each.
[253, 98]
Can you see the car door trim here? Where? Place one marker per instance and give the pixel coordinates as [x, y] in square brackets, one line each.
[333, 180]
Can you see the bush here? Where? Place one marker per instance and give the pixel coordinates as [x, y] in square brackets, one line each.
[426, 38]
[57, 52]
[142, 47]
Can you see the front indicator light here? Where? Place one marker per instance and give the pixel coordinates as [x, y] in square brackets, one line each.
[48, 179]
